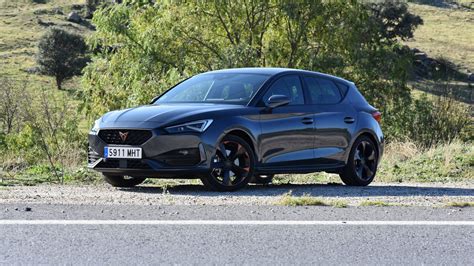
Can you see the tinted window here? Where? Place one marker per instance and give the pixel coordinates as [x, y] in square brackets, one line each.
[235, 88]
[322, 91]
[289, 86]
[343, 88]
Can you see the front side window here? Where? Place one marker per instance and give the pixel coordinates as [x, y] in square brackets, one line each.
[322, 91]
[289, 86]
[234, 88]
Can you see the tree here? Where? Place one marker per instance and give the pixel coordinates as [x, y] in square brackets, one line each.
[394, 20]
[61, 54]
[145, 48]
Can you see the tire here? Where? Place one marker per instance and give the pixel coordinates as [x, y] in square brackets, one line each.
[262, 179]
[361, 166]
[121, 181]
[238, 156]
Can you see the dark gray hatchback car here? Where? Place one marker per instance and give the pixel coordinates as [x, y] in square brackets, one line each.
[235, 126]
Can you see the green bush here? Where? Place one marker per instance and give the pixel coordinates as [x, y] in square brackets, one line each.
[429, 121]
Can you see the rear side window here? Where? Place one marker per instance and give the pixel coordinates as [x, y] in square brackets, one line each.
[343, 88]
[289, 86]
[322, 91]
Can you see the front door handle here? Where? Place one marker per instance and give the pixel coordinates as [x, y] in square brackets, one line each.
[349, 120]
[307, 120]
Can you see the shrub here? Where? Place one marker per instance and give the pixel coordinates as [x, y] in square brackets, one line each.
[61, 54]
[428, 121]
[406, 161]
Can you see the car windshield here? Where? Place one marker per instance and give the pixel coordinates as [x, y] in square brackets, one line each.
[235, 88]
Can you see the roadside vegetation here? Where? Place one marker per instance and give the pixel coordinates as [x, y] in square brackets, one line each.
[460, 204]
[137, 49]
[306, 200]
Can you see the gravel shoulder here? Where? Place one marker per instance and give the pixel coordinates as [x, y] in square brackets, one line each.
[404, 194]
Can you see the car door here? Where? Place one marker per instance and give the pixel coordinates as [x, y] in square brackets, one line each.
[334, 119]
[286, 138]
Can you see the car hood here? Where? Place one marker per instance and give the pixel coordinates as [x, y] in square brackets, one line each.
[161, 114]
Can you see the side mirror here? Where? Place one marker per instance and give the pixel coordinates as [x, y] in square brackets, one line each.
[277, 100]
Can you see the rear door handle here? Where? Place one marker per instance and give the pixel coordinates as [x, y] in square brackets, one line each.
[349, 120]
[307, 120]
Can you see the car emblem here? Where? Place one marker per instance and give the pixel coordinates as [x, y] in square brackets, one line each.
[123, 136]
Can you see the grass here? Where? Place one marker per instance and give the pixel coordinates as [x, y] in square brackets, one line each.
[307, 200]
[406, 162]
[460, 204]
[376, 203]
[20, 29]
[446, 32]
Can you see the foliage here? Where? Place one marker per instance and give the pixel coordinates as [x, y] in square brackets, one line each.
[394, 20]
[61, 54]
[429, 121]
[9, 105]
[145, 48]
[46, 132]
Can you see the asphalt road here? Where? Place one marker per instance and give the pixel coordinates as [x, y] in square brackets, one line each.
[381, 240]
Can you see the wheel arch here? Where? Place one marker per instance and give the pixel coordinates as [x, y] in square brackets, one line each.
[373, 137]
[242, 134]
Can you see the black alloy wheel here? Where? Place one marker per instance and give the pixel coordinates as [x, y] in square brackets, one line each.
[362, 164]
[232, 165]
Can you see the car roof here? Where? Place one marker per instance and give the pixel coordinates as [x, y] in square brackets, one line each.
[274, 71]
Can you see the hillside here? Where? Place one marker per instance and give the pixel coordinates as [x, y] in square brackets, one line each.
[446, 36]
[21, 25]
[447, 32]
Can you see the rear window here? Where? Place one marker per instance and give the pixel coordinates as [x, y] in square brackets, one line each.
[322, 91]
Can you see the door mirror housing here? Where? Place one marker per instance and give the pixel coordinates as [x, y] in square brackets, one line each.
[277, 100]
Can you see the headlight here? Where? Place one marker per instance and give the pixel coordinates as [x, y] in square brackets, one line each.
[196, 126]
[95, 127]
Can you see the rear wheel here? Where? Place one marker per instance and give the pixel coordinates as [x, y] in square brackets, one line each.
[232, 166]
[123, 181]
[362, 163]
[262, 179]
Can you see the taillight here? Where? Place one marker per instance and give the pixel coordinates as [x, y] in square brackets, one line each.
[377, 116]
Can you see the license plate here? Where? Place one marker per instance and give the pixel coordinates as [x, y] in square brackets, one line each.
[123, 152]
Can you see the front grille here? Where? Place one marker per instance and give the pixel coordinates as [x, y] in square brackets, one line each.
[133, 137]
[126, 164]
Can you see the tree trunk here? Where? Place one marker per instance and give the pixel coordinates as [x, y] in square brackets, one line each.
[59, 83]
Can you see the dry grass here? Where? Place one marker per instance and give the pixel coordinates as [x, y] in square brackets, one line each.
[460, 204]
[377, 203]
[307, 200]
[405, 161]
[20, 30]
[446, 33]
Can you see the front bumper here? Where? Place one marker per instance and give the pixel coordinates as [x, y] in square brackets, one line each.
[164, 155]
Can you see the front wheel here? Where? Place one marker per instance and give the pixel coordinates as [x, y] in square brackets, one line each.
[123, 181]
[232, 166]
[362, 163]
